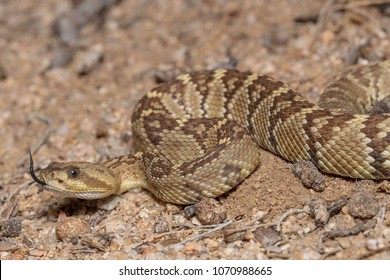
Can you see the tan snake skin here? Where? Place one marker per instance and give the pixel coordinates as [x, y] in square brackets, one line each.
[199, 135]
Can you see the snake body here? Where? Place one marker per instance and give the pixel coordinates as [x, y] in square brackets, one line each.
[200, 135]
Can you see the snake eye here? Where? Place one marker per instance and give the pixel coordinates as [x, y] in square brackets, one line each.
[73, 173]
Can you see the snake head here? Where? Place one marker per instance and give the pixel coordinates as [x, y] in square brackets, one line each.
[78, 179]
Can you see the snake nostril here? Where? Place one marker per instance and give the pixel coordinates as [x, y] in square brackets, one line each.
[60, 181]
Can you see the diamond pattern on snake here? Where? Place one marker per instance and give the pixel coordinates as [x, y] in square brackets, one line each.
[201, 135]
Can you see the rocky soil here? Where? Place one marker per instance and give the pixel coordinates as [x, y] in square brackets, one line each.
[71, 73]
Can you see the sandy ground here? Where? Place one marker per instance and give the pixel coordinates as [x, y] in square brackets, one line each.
[271, 215]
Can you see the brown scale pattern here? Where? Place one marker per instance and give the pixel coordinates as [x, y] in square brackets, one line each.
[200, 135]
[267, 113]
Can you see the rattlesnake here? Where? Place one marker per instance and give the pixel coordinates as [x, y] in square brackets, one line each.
[199, 135]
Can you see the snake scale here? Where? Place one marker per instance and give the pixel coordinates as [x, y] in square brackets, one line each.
[200, 135]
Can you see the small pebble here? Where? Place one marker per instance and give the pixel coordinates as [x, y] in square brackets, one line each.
[71, 227]
[319, 211]
[211, 243]
[119, 255]
[37, 253]
[179, 220]
[267, 236]
[210, 212]
[74, 240]
[161, 225]
[372, 244]
[274, 249]
[310, 254]
[259, 216]
[291, 225]
[344, 242]
[172, 208]
[144, 214]
[195, 221]
[11, 228]
[363, 205]
[228, 251]
[189, 211]
[330, 226]
[309, 175]
[191, 248]
[6, 246]
[230, 237]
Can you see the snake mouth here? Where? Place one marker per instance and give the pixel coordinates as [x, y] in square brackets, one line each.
[32, 173]
[88, 195]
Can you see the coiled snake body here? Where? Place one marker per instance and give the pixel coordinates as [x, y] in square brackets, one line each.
[199, 135]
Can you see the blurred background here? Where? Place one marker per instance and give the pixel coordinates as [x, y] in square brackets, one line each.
[71, 72]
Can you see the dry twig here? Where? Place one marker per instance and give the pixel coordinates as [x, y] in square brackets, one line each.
[359, 227]
[197, 236]
[285, 215]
